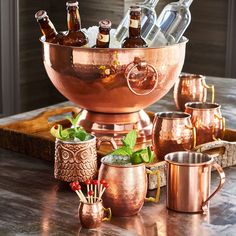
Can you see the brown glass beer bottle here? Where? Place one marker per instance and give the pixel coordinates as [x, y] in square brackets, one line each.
[103, 38]
[74, 36]
[47, 27]
[134, 40]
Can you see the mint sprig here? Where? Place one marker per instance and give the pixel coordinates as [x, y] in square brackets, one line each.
[75, 132]
[144, 155]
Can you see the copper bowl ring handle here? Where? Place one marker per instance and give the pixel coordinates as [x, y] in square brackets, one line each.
[143, 65]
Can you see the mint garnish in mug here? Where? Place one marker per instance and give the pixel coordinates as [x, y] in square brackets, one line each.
[144, 155]
[75, 133]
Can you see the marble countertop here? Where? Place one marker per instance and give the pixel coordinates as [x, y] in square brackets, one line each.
[32, 202]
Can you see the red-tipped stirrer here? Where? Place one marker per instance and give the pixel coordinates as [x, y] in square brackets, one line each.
[102, 190]
[75, 186]
[88, 182]
[95, 183]
[91, 193]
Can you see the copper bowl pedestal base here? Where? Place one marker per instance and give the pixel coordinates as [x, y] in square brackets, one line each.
[117, 125]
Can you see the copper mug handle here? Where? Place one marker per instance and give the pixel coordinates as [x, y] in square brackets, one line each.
[212, 87]
[222, 181]
[194, 135]
[157, 173]
[222, 119]
[109, 214]
[106, 139]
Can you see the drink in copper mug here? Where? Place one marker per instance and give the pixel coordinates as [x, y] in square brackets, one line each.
[191, 88]
[172, 131]
[189, 180]
[207, 119]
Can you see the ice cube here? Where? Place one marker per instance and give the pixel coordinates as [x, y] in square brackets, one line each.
[116, 160]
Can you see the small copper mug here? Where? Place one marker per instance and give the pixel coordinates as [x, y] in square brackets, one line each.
[78, 160]
[127, 188]
[172, 131]
[189, 180]
[91, 215]
[207, 119]
[191, 88]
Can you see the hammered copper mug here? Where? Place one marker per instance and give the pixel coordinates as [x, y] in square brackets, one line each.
[207, 119]
[91, 215]
[189, 181]
[191, 88]
[78, 160]
[127, 187]
[172, 131]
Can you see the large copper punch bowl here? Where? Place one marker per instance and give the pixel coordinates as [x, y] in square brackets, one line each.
[120, 81]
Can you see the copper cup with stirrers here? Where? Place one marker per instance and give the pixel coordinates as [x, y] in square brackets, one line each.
[191, 88]
[207, 119]
[172, 131]
[91, 211]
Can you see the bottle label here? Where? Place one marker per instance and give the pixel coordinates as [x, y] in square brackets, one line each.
[103, 37]
[134, 23]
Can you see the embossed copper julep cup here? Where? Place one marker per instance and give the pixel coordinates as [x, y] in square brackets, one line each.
[78, 160]
[191, 88]
[172, 131]
[189, 180]
[127, 188]
[92, 215]
[207, 119]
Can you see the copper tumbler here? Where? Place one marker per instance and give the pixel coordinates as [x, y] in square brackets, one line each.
[172, 131]
[189, 180]
[191, 88]
[77, 160]
[207, 119]
[91, 215]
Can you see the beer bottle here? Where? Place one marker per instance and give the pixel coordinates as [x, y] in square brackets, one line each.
[103, 38]
[47, 27]
[74, 36]
[134, 40]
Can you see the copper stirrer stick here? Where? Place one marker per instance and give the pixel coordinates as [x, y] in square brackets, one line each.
[95, 182]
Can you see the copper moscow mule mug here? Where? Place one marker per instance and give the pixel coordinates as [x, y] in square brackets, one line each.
[127, 187]
[78, 160]
[91, 215]
[191, 88]
[172, 131]
[207, 119]
[189, 180]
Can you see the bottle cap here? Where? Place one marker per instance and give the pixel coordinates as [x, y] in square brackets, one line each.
[135, 8]
[105, 23]
[40, 14]
[72, 4]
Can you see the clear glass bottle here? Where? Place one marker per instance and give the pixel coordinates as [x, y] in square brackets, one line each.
[134, 40]
[148, 19]
[171, 23]
[75, 36]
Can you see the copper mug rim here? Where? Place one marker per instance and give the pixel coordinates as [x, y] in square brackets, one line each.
[95, 203]
[202, 105]
[122, 166]
[93, 137]
[191, 76]
[170, 115]
[170, 156]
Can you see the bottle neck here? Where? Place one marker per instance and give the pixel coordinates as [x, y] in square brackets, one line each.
[47, 27]
[186, 3]
[135, 26]
[73, 19]
[150, 3]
